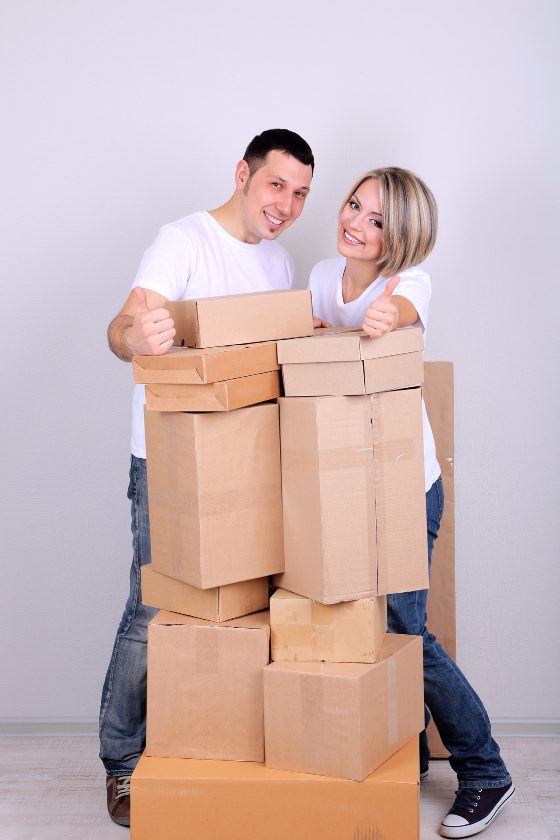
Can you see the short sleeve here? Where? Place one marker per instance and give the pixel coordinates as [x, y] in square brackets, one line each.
[416, 287]
[167, 264]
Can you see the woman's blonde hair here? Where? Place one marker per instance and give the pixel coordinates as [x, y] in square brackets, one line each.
[409, 212]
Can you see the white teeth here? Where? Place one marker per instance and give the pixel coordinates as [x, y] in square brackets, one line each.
[352, 238]
[272, 219]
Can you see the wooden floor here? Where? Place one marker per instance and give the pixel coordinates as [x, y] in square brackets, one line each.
[54, 789]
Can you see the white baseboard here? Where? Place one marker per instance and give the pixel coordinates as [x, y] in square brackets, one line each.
[44, 727]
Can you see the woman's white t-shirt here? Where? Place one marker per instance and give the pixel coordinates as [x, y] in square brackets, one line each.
[326, 293]
[196, 258]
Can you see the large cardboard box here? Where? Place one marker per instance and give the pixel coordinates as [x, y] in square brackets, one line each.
[189, 366]
[215, 396]
[218, 604]
[353, 495]
[214, 491]
[242, 319]
[205, 690]
[336, 362]
[302, 630]
[175, 799]
[344, 720]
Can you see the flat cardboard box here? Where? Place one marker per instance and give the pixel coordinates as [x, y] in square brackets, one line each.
[173, 799]
[348, 344]
[219, 604]
[205, 689]
[189, 366]
[438, 396]
[344, 720]
[242, 319]
[353, 496]
[214, 491]
[302, 630]
[370, 376]
[215, 396]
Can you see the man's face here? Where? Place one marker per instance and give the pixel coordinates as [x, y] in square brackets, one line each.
[274, 196]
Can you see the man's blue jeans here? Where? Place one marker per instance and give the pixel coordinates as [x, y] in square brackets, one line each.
[122, 718]
[457, 711]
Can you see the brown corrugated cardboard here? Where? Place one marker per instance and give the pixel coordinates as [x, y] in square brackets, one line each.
[205, 691]
[438, 396]
[302, 630]
[386, 373]
[175, 798]
[218, 604]
[242, 319]
[353, 495]
[214, 490]
[189, 366]
[215, 396]
[347, 344]
[344, 720]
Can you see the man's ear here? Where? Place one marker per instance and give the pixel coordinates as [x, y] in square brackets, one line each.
[242, 174]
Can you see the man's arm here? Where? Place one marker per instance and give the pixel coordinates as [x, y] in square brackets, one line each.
[142, 327]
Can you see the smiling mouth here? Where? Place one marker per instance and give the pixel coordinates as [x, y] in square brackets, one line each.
[272, 220]
[349, 239]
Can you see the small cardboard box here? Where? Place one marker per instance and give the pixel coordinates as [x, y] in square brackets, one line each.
[214, 491]
[219, 604]
[242, 319]
[349, 362]
[348, 344]
[302, 630]
[205, 690]
[215, 396]
[189, 366]
[173, 798]
[344, 720]
[353, 496]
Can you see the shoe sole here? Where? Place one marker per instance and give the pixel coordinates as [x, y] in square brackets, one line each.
[121, 820]
[424, 775]
[477, 827]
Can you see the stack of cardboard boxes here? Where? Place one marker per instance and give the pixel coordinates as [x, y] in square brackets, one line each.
[331, 502]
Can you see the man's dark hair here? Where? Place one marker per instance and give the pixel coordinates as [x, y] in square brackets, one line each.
[281, 140]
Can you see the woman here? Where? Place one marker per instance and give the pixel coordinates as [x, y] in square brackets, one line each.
[387, 226]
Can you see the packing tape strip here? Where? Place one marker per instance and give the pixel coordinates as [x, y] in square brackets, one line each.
[313, 741]
[392, 700]
[207, 650]
[217, 503]
[327, 460]
[371, 496]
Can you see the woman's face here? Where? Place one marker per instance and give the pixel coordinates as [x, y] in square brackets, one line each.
[360, 225]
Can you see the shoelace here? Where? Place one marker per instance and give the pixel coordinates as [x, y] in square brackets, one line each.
[123, 787]
[467, 798]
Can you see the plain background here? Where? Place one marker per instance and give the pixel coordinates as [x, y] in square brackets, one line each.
[118, 117]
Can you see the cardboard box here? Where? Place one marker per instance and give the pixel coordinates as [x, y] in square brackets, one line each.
[214, 491]
[218, 604]
[348, 344]
[189, 366]
[215, 396]
[173, 799]
[438, 397]
[242, 319]
[344, 720]
[353, 378]
[302, 630]
[205, 691]
[353, 496]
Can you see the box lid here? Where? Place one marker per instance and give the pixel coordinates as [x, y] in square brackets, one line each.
[255, 621]
[348, 344]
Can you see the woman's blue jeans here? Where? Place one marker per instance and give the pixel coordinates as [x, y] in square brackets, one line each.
[457, 711]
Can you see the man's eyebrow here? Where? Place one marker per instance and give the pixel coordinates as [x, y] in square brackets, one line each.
[278, 178]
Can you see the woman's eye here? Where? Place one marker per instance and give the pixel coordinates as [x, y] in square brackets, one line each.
[376, 223]
[353, 205]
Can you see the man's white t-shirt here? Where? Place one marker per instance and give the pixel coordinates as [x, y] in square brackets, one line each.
[326, 293]
[196, 258]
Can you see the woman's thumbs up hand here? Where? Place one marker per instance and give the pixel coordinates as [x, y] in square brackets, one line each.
[382, 315]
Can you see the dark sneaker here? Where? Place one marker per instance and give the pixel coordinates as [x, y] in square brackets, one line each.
[424, 771]
[474, 810]
[118, 799]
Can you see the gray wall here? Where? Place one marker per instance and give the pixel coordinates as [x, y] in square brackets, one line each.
[120, 117]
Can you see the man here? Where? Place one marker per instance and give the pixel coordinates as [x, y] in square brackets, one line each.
[230, 250]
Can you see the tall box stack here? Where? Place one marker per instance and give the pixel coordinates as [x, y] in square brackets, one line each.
[237, 744]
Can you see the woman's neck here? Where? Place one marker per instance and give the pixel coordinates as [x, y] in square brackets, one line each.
[358, 276]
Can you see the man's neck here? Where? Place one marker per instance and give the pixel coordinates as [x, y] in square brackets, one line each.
[358, 276]
[230, 218]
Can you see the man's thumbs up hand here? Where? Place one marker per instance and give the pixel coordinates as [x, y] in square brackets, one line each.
[151, 333]
[382, 314]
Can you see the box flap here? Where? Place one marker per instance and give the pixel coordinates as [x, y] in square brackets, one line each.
[348, 344]
[255, 621]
